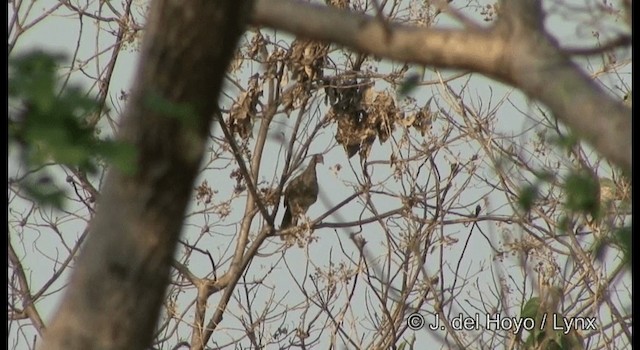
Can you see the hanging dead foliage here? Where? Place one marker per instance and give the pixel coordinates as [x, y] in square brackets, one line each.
[307, 59]
[244, 109]
[420, 120]
[423, 120]
[273, 64]
[383, 114]
[258, 48]
[236, 62]
[361, 113]
[293, 96]
[341, 4]
[240, 185]
[354, 135]
[204, 193]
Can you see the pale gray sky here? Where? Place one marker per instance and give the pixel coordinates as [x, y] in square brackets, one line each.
[59, 33]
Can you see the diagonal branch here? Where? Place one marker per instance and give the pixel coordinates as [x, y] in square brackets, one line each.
[28, 300]
[249, 180]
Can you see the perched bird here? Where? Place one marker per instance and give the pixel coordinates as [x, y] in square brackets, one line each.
[301, 193]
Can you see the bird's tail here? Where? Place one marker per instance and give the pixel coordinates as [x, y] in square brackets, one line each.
[286, 219]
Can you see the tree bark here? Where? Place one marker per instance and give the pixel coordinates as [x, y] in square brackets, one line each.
[117, 288]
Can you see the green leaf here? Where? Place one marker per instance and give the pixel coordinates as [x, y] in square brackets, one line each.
[408, 84]
[49, 126]
[565, 223]
[121, 155]
[181, 111]
[527, 197]
[531, 308]
[544, 175]
[564, 141]
[583, 193]
[44, 192]
[623, 240]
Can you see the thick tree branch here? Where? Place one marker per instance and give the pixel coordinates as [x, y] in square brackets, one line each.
[513, 51]
[477, 50]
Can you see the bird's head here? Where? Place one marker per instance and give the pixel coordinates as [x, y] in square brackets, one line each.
[318, 158]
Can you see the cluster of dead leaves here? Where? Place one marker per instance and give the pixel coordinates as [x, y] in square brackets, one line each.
[341, 4]
[306, 60]
[244, 109]
[293, 97]
[362, 114]
[420, 120]
[204, 193]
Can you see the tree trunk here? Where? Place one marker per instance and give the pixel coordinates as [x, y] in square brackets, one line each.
[118, 286]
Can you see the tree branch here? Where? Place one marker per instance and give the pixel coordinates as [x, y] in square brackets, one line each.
[513, 51]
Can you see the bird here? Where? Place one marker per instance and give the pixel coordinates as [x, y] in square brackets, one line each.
[301, 193]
